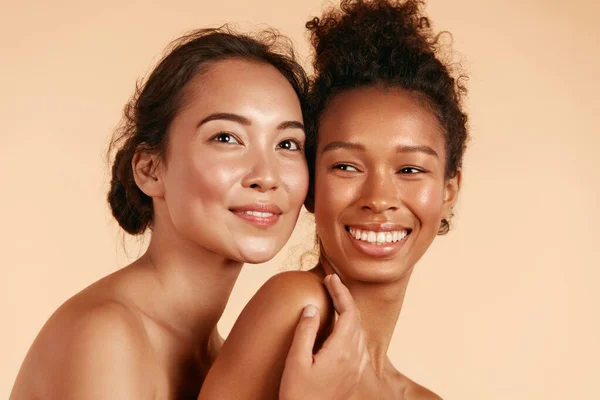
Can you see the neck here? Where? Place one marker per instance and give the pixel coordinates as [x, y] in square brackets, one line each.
[193, 284]
[379, 304]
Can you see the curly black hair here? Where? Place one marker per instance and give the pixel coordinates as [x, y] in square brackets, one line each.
[388, 43]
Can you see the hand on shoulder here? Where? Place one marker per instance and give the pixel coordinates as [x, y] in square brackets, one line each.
[335, 371]
[269, 352]
[251, 361]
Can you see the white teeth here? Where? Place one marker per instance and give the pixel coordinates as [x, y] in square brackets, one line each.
[371, 237]
[378, 238]
[259, 214]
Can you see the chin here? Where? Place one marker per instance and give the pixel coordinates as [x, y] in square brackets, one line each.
[258, 251]
[376, 271]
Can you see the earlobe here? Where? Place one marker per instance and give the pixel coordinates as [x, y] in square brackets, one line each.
[147, 173]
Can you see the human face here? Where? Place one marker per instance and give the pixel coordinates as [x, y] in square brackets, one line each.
[380, 188]
[235, 175]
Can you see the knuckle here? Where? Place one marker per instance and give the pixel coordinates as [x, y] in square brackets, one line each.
[344, 357]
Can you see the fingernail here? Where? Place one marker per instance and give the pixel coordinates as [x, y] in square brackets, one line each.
[309, 311]
[336, 277]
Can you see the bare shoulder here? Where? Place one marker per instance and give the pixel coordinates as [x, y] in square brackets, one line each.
[87, 344]
[252, 358]
[276, 307]
[86, 321]
[286, 294]
[297, 285]
[108, 323]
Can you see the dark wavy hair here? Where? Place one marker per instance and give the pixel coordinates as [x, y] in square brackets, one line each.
[148, 115]
[386, 43]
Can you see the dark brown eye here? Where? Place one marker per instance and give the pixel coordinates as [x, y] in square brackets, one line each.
[224, 137]
[345, 167]
[410, 170]
[290, 145]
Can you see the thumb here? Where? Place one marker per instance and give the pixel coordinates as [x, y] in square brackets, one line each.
[301, 350]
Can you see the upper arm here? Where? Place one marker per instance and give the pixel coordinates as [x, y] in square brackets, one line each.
[101, 355]
[251, 361]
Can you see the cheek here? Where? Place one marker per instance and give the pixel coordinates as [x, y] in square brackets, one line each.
[204, 181]
[294, 176]
[426, 203]
[332, 197]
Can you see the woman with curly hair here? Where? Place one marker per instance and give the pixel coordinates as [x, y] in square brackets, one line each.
[388, 137]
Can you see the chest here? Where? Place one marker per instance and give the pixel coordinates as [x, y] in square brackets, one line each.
[179, 369]
[177, 382]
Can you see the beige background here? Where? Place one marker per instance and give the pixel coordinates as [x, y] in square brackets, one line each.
[505, 307]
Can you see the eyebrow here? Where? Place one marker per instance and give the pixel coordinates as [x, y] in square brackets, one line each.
[245, 121]
[399, 149]
[417, 149]
[343, 145]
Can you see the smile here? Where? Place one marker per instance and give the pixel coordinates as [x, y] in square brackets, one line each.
[379, 241]
[258, 214]
[377, 237]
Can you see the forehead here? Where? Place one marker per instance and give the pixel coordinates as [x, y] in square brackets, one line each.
[235, 83]
[384, 116]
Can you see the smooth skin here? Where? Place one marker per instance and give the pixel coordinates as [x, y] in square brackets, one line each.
[380, 161]
[150, 329]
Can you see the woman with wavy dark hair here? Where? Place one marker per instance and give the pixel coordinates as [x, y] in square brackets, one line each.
[210, 159]
[387, 140]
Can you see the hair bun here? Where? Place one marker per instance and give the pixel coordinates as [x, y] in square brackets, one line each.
[129, 205]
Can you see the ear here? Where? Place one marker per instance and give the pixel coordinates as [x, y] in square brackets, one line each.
[147, 173]
[451, 189]
[309, 203]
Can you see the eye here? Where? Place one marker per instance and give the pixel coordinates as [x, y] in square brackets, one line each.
[290, 144]
[345, 167]
[226, 138]
[410, 170]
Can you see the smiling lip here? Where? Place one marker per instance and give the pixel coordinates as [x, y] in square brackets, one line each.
[378, 250]
[379, 227]
[258, 214]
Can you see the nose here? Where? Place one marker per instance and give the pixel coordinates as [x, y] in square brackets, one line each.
[263, 175]
[379, 193]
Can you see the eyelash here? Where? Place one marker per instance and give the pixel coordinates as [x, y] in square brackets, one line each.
[344, 167]
[297, 143]
[417, 170]
[225, 134]
[237, 141]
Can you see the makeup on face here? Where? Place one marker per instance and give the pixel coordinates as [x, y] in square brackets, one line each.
[379, 182]
[235, 174]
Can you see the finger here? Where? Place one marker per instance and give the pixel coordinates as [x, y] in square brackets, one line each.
[305, 335]
[348, 322]
[362, 342]
[342, 299]
[364, 362]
